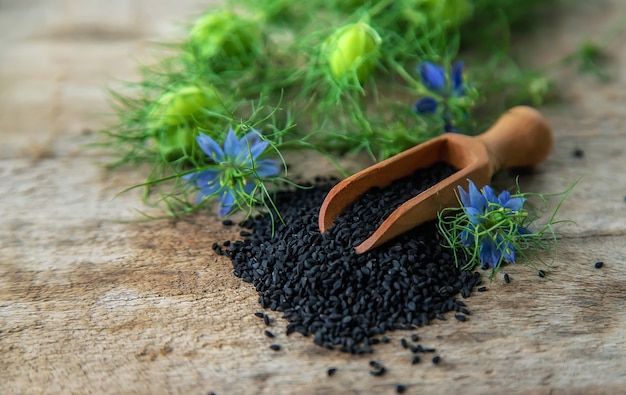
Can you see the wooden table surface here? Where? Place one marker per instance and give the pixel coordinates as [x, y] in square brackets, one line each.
[92, 305]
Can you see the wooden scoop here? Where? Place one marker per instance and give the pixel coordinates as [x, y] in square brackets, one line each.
[520, 138]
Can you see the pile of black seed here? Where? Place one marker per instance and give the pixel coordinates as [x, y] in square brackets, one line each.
[343, 299]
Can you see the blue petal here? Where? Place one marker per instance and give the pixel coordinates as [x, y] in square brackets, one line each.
[473, 215]
[514, 204]
[504, 197]
[249, 187]
[201, 178]
[226, 202]
[477, 199]
[506, 249]
[210, 147]
[456, 75]
[426, 105]
[267, 168]
[490, 195]
[433, 77]
[489, 254]
[465, 199]
[232, 148]
[467, 236]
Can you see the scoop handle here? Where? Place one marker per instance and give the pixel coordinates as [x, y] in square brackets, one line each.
[520, 138]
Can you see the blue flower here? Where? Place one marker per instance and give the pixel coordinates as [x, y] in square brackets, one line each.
[493, 223]
[434, 79]
[238, 169]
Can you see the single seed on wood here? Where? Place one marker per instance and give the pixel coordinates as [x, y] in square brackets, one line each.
[266, 319]
[598, 265]
[275, 347]
[416, 359]
[481, 289]
[415, 337]
[400, 389]
[269, 334]
[436, 359]
[460, 317]
[331, 371]
[507, 279]
[259, 314]
[541, 273]
[378, 372]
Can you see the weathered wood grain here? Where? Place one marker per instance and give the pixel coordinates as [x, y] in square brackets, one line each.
[92, 305]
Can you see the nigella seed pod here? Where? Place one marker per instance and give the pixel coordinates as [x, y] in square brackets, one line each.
[176, 115]
[224, 40]
[352, 51]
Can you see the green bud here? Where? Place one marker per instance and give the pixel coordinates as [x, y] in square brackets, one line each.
[353, 48]
[225, 40]
[185, 104]
[176, 116]
[454, 12]
[176, 142]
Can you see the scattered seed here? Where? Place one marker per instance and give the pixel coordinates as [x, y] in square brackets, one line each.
[404, 343]
[376, 364]
[436, 359]
[598, 265]
[227, 222]
[507, 279]
[460, 317]
[331, 371]
[416, 359]
[378, 372]
[416, 348]
[266, 319]
[269, 334]
[384, 339]
[541, 273]
[481, 289]
[275, 347]
[259, 314]
[400, 389]
[415, 337]
[578, 153]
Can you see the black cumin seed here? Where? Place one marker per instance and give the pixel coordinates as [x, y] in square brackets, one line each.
[331, 371]
[541, 273]
[578, 153]
[416, 348]
[464, 311]
[400, 389]
[259, 314]
[507, 279]
[376, 364]
[428, 349]
[598, 265]
[384, 339]
[245, 233]
[269, 334]
[266, 319]
[275, 347]
[436, 359]
[404, 343]
[378, 372]
[415, 337]
[460, 317]
[227, 222]
[481, 289]
[416, 359]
